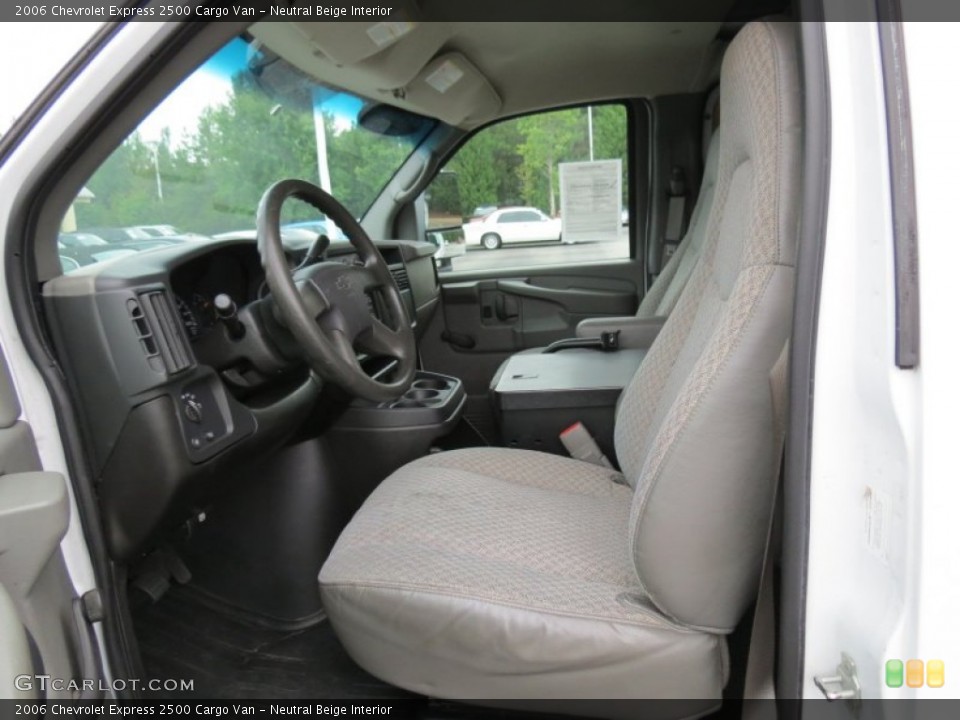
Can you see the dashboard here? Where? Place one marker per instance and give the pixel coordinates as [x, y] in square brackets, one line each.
[236, 272]
[233, 271]
[158, 374]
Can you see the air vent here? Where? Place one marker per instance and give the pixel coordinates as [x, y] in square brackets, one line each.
[167, 332]
[148, 342]
[400, 277]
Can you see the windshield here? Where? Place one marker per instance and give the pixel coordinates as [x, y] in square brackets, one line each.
[198, 164]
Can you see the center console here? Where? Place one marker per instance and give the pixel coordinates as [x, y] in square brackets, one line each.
[374, 439]
[294, 504]
[537, 396]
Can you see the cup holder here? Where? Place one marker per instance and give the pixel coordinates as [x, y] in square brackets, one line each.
[431, 384]
[408, 404]
[425, 392]
[421, 394]
[412, 403]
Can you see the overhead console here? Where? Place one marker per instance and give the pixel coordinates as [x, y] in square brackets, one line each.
[406, 59]
[392, 50]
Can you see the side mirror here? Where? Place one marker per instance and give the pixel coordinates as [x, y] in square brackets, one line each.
[68, 264]
[444, 217]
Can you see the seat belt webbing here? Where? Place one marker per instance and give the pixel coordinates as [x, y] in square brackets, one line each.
[676, 209]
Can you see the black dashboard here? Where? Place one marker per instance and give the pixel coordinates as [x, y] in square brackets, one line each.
[158, 374]
[233, 271]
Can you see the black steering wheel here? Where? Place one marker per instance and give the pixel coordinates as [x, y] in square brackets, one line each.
[327, 306]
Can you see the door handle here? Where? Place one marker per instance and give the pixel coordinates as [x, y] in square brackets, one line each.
[525, 289]
[506, 308]
[459, 340]
[586, 301]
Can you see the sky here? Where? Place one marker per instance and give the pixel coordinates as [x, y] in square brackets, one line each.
[38, 51]
[59, 42]
[23, 80]
[179, 112]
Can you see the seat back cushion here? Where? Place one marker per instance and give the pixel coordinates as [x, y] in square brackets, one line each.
[694, 431]
[663, 295]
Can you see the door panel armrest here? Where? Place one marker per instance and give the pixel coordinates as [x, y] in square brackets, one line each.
[635, 333]
[34, 514]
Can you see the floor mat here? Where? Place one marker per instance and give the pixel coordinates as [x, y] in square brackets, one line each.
[182, 638]
[229, 658]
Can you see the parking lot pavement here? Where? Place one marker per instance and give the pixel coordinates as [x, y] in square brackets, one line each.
[512, 256]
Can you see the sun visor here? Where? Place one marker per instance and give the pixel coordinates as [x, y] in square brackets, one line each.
[391, 51]
[451, 88]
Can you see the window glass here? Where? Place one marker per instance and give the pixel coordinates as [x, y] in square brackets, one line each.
[198, 165]
[544, 189]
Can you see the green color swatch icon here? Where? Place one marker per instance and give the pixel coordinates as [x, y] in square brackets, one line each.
[894, 673]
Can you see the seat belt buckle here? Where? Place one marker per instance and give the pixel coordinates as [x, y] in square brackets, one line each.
[580, 444]
[610, 341]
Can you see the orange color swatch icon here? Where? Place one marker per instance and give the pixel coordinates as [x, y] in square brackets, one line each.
[914, 674]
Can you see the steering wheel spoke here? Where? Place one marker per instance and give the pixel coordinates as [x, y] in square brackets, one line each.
[344, 347]
[314, 301]
[369, 279]
[380, 340]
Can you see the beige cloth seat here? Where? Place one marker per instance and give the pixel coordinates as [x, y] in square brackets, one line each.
[501, 574]
[514, 579]
[663, 295]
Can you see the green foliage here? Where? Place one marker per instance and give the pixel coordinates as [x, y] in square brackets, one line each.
[516, 162]
[610, 138]
[241, 147]
[359, 167]
[549, 139]
[125, 190]
[212, 181]
[486, 168]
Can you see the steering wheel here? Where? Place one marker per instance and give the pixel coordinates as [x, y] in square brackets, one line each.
[326, 306]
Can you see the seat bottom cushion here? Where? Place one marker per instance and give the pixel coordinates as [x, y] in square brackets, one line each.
[504, 574]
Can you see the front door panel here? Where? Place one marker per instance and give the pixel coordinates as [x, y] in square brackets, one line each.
[37, 599]
[520, 310]
[488, 316]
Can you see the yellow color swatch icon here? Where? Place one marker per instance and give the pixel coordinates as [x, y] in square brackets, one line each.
[935, 673]
[894, 672]
[914, 673]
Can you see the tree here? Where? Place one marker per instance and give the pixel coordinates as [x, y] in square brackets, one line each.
[212, 181]
[245, 145]
[124, 188]
[548, 139]
[486, 168]
[361, 163]
[610, 138]
[516, 162]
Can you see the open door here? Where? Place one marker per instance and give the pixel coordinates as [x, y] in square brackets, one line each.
[47, 646]
[881, 581]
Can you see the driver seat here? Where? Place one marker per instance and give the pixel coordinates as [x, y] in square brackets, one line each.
[497, 575]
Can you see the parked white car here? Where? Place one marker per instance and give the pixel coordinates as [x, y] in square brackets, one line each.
[512, 225]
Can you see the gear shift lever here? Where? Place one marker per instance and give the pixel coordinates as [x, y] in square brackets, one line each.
[226, 310]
